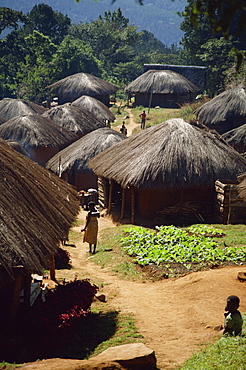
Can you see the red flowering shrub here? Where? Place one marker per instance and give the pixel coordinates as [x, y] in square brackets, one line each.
[62, 259]
[55, 318]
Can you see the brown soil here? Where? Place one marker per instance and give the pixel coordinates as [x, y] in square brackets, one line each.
[176, 316]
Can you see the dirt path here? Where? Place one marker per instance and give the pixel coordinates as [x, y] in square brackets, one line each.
[175, 316]
[129, 122]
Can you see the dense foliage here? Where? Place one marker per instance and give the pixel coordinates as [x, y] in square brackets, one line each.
[172, 245]
[45, 46]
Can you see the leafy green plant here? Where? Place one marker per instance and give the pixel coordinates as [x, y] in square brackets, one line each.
[172, 245]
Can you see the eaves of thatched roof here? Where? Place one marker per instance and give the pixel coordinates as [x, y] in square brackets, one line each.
[17, 146]
[96, 107]
[82, 84]
[36, 211]
[161, 82]
[228, 106]
[75, 157]
[172, 154]
[10, 108]
[73, 118]
[36, 131]
[236, 137]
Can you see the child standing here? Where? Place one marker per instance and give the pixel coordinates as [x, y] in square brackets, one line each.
[233, 319]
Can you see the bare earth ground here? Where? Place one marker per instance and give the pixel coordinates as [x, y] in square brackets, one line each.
[177, 316]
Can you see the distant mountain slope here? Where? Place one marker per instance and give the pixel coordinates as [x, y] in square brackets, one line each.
[156, 16]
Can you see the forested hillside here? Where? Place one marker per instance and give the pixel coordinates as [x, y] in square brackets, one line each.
[155, 16]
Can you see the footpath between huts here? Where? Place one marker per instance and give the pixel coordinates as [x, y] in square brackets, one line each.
[177, 316]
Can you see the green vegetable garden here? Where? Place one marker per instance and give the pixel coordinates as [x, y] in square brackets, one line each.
[180, 250]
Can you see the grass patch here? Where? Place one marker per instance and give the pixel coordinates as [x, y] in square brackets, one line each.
[227, 353]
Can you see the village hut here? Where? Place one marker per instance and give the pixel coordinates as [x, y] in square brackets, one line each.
[73, 87]
[166, 170]
[37, 210]
[224, 112]
[95, 106]
[236, 138]
[40, 137]
[10, 108]
[163, 88]
[75, 119]
[71, 162]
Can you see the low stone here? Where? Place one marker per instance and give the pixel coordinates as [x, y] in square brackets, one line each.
[101, 297]
[131, 356]
[66, 364]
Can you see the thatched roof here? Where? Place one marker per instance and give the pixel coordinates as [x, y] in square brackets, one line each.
[227, 109]
[172, 154]
[17, 146]
[73, 118]
[161, 82]
[2, 120]
[236, 138]
[95, 106]
[75, 156]
[72, 87]
[35, 131]
[10, 108]
[36, 211]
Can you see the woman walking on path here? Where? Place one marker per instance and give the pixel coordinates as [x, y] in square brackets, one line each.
[91, 227]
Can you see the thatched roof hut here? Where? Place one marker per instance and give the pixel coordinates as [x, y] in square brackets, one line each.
[10, 108]
[96, 107]
[72, 87]
[71, 162]
[40, 137]
[236, 138]
[224, 112]
[36, 211]
[172, 162]
[75, 119]
[163, 88]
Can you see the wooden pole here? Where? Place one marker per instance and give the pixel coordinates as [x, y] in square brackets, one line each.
[110, 195]
[123, 190]
[27, 288]
[151, 93]
[132, 206]
[52, 268]
[14, 304]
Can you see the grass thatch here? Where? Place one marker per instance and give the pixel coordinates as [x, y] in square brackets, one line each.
[10, 108]
[236, 138]
[72, 87]
[96, 107]
[17, 146]
[75, 157]
[172, 154]
[35, 131]
[36, 211]
[227, 110]
[161, 82]
[73, 118]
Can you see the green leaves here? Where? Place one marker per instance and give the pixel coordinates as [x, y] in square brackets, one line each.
[170, 244]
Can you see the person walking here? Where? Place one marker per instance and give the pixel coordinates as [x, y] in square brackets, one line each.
[91, 227]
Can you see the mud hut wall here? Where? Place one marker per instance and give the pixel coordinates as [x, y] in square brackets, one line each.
[103, 191]
[85, 181]
[150, 202]
[163, 100]
[230, 207]
[42, 155]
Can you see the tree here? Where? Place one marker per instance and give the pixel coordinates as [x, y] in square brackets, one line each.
[74, 56]
[51, 23]
[10, 18]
